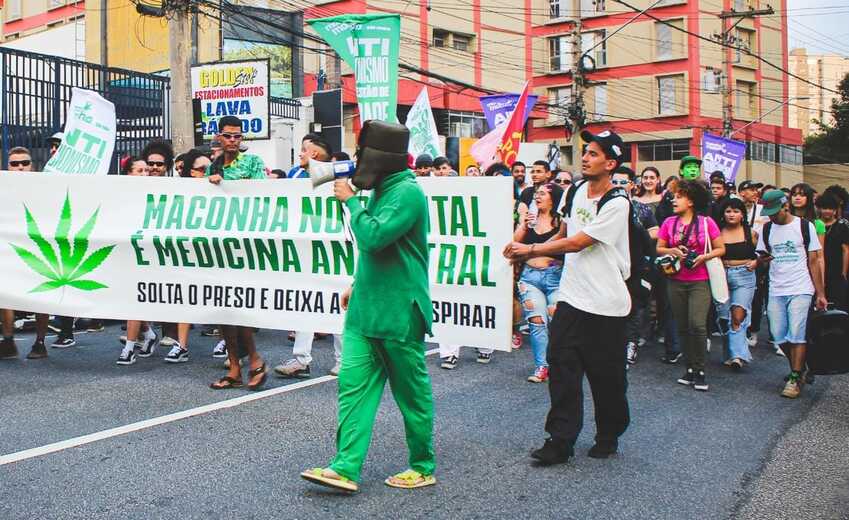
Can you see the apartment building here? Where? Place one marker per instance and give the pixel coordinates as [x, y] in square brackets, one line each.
[661, 87]
[812, 104]
[55, 27]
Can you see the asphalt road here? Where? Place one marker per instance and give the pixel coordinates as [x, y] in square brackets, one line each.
[738, 451]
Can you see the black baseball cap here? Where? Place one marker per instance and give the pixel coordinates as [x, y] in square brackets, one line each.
[424, 160]
[745, 185]
[610, 142]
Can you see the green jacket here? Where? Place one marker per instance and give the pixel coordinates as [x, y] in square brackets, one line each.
[391, 283]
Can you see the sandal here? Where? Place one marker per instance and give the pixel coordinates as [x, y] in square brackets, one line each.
[255, 372]
[329, 478]
[226, 383]
[410, 479]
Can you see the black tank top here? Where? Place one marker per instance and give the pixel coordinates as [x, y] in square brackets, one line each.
[740, 251]
[532, 237]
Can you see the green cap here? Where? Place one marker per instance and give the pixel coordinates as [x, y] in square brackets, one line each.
[690, 159]
[773, 201]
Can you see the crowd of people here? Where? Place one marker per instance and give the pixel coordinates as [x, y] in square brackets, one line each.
[605, 262]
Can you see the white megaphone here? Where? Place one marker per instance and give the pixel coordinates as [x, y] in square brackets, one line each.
[323, 172]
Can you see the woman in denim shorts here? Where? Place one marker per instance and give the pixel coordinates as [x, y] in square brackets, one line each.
[540, 278]
[740, 262]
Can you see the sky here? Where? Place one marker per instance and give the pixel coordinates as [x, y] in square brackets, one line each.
[820, 26]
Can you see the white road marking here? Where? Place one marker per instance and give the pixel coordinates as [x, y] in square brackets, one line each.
[157, 421]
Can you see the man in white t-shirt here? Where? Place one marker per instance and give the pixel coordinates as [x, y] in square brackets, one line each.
[588, 329]
[795, 276]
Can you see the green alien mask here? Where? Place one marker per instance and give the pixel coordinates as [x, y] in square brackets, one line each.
[691, 171]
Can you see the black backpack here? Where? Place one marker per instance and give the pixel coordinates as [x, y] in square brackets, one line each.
[806, 234]
[640, 246]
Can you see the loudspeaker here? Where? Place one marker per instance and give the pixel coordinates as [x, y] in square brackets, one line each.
[323, 172]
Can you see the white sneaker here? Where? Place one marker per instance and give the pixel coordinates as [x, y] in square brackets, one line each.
[752, 341]
[778, 351]
[128, 355]
[168, 341]
[149, 344]
[336, 368]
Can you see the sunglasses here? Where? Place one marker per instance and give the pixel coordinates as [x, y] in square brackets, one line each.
[231, 136]
[620, 182]
[563, 182]
[19, 163]
[158, 164]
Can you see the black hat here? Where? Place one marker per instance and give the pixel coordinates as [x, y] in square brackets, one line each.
[610, 142]
[424, 160]
[745, 185]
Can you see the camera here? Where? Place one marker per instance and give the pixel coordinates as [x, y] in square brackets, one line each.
[690, 259]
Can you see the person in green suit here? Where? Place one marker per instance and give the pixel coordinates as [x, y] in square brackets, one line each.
[388, 313]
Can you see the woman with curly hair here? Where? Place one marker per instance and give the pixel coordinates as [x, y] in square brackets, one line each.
[683, 236]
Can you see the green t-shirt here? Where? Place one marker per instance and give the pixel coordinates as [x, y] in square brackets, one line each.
[244, 166]
[819, 225]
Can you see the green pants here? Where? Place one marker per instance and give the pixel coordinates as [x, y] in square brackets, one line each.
[366, 365]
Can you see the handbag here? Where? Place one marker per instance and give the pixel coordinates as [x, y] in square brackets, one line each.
[716, 272]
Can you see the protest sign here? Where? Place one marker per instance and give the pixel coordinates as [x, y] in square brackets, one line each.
[252, 253]
[233, 88]
[369, 44]
[423, 136]
[499, 108]
[724, 155]
[89, 136]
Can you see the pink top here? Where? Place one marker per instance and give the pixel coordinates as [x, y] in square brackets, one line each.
[672, 231]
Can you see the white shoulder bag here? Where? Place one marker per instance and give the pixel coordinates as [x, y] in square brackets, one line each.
[716, 272]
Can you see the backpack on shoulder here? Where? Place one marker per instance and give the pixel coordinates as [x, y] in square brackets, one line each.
[640, 248]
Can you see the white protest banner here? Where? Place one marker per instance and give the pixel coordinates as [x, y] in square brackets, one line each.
[233, 88]
[89, 136]
[254, 253]
[423, 136]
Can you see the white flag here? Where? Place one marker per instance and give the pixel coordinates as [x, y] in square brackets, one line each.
[89, 136]
[423, 136]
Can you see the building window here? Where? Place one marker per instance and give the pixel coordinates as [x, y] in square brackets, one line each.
[592, 7]
[554, 9]
[461, 42]
[760, 151]
[600, 103]
[440, 38]
[590, 40]
[711, 80]
[13, 9]
[744, 40]
[53, 4]
[466, 124]
[746, 99]
[671, 150]
[741, 5]
[668, 38]
[670, 96]
[558, 54]
[561, 98]
[789, 154]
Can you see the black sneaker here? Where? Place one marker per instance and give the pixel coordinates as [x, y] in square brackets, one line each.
[484, 358]
[63, 343]
[148, 346]
[603, 449]
[81, 326]
[128, 355]
[553, 453]
[38, 351]
[449, 363]
[95, 326]
[671, 358]
[177, 354]
[8, 349]
[688, 377]
[699, 382]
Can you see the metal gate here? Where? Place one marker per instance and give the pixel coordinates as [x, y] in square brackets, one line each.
[35, 90]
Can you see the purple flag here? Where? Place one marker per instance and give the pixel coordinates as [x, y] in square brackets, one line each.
[724, 155]
[499, 107]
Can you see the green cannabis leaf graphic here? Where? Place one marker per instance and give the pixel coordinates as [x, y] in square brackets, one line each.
[71, 264]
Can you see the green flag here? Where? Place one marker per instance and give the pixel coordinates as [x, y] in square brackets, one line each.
[369, 44]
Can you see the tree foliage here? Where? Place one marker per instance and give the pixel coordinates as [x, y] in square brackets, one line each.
[831, 143]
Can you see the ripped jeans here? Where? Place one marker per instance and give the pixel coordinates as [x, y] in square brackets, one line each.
[741, 286]
[538, 292]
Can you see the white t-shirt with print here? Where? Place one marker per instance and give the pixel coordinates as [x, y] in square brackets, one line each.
[788, 271]
[594, 279]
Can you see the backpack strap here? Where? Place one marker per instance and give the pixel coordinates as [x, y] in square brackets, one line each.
[806, 233]
[766, 229]
[570, 198]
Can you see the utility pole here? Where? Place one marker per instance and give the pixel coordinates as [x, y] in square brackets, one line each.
[576, 110]
[180, 51]
[731, 44]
